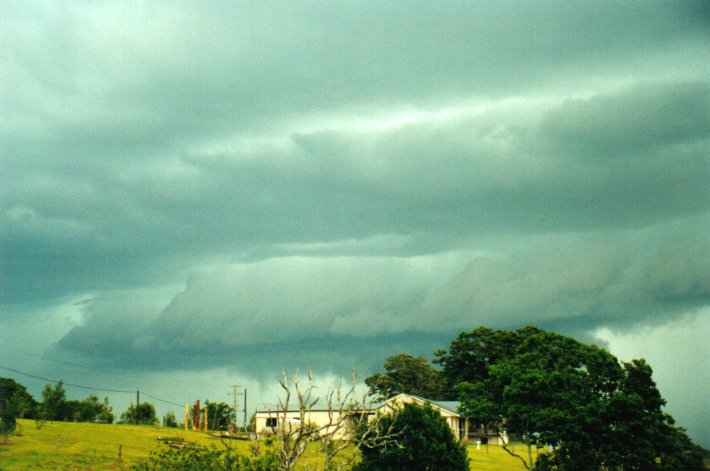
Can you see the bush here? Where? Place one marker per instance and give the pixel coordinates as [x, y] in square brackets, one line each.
[142, 414]
[169, 420]
[202, 458]
[8, 422]
[10, 406]
[423, 441]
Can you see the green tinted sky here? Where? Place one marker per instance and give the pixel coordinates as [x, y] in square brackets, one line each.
[238, 187]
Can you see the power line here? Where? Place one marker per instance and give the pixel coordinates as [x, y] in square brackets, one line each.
[88, 387]
[66, 384]
[163, 400]
[98, 370]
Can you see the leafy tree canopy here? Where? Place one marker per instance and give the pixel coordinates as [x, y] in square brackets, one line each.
[15, 396]
[142, 414]
[54, 402]
[471, 354]
[169, 420]
[423, 442]
[409, 374]
[89, 410]
[551, 390]
[15, 402]
[219, 415]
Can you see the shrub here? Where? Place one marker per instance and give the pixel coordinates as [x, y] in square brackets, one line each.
[202, 458]
[142, 414]
[422, 441]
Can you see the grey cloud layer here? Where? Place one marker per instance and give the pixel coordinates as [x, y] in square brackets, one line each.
[616, 279]
[501, 167]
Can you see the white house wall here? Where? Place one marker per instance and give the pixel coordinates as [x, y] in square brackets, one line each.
[291, 419]
[460, 427]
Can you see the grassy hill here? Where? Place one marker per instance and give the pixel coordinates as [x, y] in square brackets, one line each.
[82, 446]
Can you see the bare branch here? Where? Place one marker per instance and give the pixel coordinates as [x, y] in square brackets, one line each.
[346, 415]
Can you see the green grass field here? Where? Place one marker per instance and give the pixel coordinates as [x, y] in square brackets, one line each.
[81, 446]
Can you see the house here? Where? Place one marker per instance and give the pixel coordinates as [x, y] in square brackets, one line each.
[462, 427]
[270, 420]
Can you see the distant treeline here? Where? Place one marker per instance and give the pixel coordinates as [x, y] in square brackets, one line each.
[16, 401]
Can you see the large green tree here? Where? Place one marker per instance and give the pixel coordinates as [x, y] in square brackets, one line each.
[142, 414]
[405, 373]
[16, 394]
[15, 403]
[471, 354]
[8, 419]
[423, 442]
[219, 415]
[169, 420]
[89, 410]
[550, 390]
[640, 435]
[54, 402]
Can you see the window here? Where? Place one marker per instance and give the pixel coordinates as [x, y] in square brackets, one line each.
[272, 421]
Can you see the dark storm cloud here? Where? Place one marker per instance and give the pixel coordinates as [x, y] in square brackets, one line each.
[487, 171]
[649, 116]
[617, 279]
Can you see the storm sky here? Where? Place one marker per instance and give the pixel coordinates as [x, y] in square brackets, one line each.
[199, 194]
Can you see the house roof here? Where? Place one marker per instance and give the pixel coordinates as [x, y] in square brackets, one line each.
[275, 409]
[448, 406]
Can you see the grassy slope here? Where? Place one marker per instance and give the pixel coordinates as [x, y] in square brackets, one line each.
[96, 446]
[85, 446]
[493, 458]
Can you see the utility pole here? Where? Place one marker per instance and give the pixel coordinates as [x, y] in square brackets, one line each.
[138, 399]
[245, 409]
[234, 426]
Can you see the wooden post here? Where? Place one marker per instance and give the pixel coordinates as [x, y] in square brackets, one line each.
[245, 410]
[206, 415]
[196, 417]
[187, 416]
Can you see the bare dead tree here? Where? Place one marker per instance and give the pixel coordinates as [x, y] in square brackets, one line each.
[356, 418]
[292, 440]
[352, 422]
